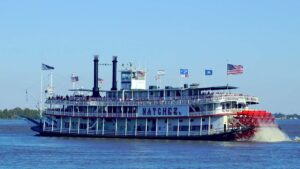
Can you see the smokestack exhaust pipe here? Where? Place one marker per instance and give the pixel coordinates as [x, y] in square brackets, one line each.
[114, 73]
[96, 88]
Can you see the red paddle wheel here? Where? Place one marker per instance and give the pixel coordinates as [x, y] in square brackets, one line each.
[249, 121]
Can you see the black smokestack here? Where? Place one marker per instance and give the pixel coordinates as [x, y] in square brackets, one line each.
[114, 73]
[96, 88]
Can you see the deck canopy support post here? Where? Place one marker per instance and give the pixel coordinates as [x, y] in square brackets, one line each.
[70, 124]
[135, 128]
[178, 123]
[87, 111]
[167, 127]
[60, 130]
[78, 130]
[126, 121]
[44, 124]
[201, 126]
[209, 122]
[116, 127]
[87, 125]
[156, 126]
[103, 123]
[146, 127]
[97, 125]
[106, 110]
[52, 123]
[189, 129]
[148, 94]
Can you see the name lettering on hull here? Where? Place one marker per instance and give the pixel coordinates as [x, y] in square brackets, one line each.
[163, 111]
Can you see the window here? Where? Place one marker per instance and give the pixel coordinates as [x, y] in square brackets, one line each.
[126, 76]
[83, 126]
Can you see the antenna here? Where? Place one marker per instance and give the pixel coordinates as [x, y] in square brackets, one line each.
[26, 96]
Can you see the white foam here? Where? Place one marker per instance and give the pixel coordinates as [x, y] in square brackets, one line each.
[270, 134]
[297, 139]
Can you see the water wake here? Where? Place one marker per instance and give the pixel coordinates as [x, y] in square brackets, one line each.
[297, 139]
[270, 134]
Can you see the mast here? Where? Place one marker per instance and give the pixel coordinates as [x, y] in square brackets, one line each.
[41, 95]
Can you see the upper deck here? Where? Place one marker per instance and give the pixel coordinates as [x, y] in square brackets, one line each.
[134, 93]
[171, 96]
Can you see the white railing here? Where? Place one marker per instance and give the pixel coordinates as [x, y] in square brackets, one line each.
[82, 114]
[213, 98]
[138, 133]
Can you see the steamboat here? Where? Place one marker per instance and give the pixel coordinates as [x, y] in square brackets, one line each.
[189, 112]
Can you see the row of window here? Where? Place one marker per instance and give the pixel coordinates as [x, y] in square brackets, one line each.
[143, 128]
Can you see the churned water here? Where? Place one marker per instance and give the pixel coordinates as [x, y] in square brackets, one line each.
[270, 134]
[20, 148]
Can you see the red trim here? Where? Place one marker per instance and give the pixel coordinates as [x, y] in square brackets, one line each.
[252, 119]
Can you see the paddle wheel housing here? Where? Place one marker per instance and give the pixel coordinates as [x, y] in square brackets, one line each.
[249, 121]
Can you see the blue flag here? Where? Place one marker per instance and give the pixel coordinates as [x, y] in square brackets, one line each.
[47, 67]
[184, 73]
[208, 72]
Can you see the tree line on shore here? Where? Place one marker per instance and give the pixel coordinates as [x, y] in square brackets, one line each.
[286, 116]
[18, 113]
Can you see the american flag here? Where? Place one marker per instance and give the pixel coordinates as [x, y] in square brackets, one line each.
[234, 69]
[140, 73]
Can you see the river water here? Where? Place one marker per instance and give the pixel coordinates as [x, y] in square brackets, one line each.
[20, 148]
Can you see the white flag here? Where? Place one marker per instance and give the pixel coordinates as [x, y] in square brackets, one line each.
[161, 72]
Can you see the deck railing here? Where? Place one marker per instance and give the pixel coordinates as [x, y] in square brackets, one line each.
[133, 133]
[213, 98]
[131, 115]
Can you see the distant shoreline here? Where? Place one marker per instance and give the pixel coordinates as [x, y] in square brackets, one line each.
[286, 116]
[18, 113]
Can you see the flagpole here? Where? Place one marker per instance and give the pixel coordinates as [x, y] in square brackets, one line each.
[227, 78]
[73, 81]
[41, 96]
[51, 80]
[180, 81]
[204, 80]
[159, 81]
[157, 77]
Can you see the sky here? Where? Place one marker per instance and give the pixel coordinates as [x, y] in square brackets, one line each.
[261, 35]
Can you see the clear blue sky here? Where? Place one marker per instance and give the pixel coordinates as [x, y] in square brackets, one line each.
[262, 35]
